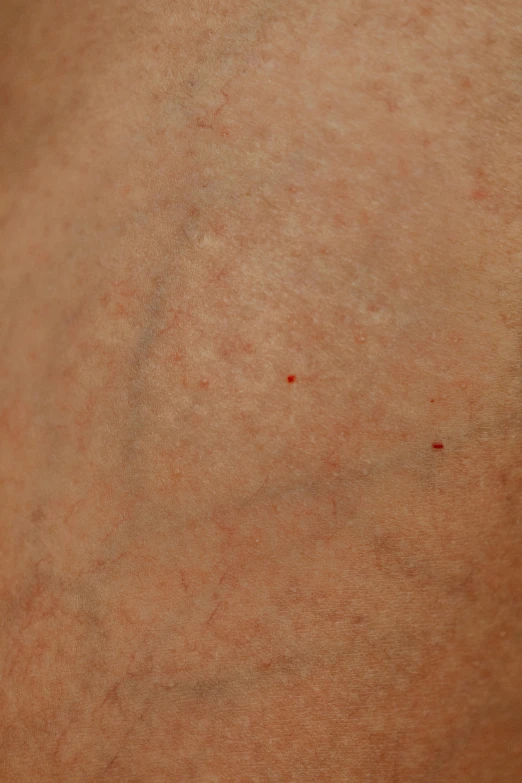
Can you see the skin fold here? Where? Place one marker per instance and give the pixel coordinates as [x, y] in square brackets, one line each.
[260, 391]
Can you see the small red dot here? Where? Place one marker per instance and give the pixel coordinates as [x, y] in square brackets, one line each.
[291, 378]
[438, 445]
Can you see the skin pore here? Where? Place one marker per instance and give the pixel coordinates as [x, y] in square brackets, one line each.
[260, 391]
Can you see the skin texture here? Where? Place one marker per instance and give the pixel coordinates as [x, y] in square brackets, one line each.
[256, 259]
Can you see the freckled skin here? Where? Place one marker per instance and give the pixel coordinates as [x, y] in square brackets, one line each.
[206, 575]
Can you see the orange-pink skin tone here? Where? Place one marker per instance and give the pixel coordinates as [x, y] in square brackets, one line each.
[204, 573]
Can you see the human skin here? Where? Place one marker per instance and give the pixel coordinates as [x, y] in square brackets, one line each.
[260, 391]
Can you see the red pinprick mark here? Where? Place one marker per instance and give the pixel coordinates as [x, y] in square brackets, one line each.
[291, 379]
[438, 445]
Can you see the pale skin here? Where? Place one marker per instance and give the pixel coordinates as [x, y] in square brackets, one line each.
[260, 391]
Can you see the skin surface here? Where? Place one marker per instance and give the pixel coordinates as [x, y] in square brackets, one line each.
[257, 258]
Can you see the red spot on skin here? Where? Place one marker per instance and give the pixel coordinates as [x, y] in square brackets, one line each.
[432, 400]
[479, 194]
[438, 445]
[291, 379]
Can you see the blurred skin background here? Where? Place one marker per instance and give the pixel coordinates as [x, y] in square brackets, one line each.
[260, 391]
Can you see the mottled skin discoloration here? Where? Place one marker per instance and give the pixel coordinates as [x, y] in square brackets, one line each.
[208, 573]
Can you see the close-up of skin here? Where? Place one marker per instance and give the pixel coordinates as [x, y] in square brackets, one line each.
[260, 391]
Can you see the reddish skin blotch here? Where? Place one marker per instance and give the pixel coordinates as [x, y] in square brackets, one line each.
[438, 445]
[291, 379]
